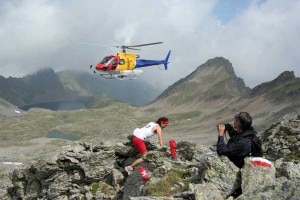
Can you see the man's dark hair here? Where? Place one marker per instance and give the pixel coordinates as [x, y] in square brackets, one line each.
[245, 120]
[162, 120]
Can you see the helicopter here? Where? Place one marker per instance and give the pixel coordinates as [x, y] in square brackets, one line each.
[126, 65]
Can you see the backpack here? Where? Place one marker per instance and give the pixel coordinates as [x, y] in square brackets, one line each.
[256, 149]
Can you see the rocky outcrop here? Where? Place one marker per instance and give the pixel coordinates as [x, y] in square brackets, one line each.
[282, 139]
[87, 171]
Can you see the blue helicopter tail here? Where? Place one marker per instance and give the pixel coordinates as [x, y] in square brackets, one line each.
[166, 60]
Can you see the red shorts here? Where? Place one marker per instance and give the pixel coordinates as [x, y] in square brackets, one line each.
[139, 145]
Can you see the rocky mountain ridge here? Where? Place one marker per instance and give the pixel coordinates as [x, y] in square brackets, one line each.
[216, 80]
[213, 94]
[216, 74]
[284, 87]
[44, 86]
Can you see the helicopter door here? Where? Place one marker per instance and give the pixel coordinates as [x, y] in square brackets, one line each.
[115, 63]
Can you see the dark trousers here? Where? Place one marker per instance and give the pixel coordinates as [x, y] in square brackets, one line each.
[237, 187]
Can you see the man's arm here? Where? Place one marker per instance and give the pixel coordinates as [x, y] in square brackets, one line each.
[222, 148]
[231, 148]
[158, 131]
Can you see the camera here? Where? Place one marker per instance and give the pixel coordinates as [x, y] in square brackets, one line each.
[229, 129]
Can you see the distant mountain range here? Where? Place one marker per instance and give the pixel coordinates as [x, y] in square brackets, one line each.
[48, 86]
[44, 86]
[209, 95]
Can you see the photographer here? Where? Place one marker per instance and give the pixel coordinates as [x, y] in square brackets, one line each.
[243, 142]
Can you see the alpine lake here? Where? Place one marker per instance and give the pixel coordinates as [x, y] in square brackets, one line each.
[56, 106]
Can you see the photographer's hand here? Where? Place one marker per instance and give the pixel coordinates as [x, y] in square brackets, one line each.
[221, 129]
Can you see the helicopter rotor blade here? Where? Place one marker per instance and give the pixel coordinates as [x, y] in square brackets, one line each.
[133, 48]
[140, 45]
[95, 44]
[102, 45]
[123, 47]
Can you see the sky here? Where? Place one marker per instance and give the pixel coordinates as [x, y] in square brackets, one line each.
[259, 37]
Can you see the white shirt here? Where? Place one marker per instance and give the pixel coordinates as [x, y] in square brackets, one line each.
[144, 132]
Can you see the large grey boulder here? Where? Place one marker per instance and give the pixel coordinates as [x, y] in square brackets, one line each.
[260, 182]
[254, 176]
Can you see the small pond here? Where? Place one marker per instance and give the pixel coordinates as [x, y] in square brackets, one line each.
[61, 135]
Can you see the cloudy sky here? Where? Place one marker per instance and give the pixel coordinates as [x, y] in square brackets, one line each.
[259, 37]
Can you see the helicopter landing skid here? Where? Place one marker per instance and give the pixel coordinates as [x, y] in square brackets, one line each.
[107, 76]
[119, 77]
[124, 77]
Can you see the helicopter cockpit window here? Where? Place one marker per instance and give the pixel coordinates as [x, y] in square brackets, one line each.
[122, 62]
[105, 60]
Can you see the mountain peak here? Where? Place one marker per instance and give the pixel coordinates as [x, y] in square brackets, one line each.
[45, 70]
[285, 85]
[285, 76]
[218, 61]
[213, 80]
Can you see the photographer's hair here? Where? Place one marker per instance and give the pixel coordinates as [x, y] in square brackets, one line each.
[245, 120]
[162, 120]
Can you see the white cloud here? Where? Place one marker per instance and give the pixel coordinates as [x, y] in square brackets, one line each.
[261, 41]
[30, 32]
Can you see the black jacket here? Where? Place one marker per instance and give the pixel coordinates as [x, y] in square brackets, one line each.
[237, 148]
